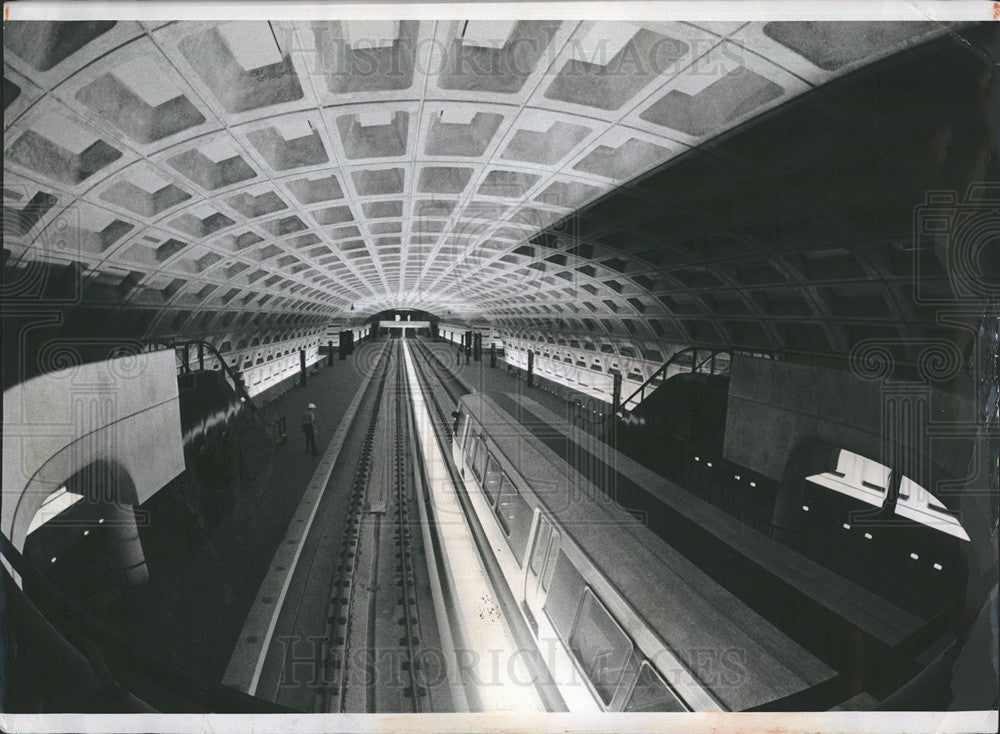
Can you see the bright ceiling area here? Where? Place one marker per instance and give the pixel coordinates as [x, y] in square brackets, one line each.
[336, 169]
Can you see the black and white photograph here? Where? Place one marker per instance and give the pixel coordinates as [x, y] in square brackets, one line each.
[523, 367]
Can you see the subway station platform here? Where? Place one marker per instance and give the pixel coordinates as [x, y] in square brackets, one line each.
[753, 468]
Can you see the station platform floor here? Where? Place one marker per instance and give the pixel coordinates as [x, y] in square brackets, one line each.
[206, 563]
[331, 388]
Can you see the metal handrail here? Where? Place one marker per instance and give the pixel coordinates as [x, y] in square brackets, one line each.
[713, 352]
[696, 366]
[238, 384]
[276, 428]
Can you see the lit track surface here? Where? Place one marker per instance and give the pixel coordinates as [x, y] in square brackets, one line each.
[496, 656]
[353, 627]
[468, 538]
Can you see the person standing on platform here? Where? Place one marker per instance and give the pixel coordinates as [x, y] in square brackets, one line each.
[309, 429]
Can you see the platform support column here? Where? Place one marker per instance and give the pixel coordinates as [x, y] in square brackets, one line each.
[329, 353]
[531, 368]
[303, 374]
[493, 355]
[616, 405]
[201, 355]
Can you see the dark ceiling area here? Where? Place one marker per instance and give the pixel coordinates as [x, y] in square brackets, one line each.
[796, 233]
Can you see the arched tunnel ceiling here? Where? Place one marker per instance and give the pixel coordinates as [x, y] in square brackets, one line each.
[307, 168]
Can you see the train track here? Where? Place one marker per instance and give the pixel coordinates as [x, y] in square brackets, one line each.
[444, 377]
[405, 574]
[382, 652]
[336, 644]
[361, 627]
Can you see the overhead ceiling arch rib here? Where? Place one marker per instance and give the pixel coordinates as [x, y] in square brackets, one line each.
[217, 168]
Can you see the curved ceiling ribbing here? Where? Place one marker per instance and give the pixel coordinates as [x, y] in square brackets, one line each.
[302, 168]
[803, 232]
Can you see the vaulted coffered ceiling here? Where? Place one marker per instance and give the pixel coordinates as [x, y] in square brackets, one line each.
[203, 169]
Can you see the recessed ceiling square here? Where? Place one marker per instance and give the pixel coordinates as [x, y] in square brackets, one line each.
[383, 209]
[507, 184]
[378, 182]
[833, 44]
[43, 44]
[732, 96]
[504, 70]
[545, 148]
[314, 190]
[453, 136]
[375, 140]
[592, 80]
[243, 65]
[443, 179]
[623, 162]
[333, 215]
[365, 56]
[139, 99]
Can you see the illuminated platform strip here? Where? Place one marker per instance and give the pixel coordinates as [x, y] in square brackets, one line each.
[919, 505]
[914, 502]
[442, 608]
[57, 503]
[493, 656]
